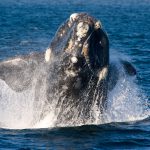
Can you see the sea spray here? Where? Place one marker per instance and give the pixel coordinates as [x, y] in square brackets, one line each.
[24, 109]
[45, 104]
[125, 103]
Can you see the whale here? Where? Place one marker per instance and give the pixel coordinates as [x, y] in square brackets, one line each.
[77, 69]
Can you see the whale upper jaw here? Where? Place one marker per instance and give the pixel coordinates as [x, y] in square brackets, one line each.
[70, 37]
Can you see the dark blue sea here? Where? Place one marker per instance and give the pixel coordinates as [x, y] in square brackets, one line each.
[27, 26]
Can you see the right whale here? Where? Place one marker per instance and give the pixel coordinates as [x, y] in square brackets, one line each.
[78, 72]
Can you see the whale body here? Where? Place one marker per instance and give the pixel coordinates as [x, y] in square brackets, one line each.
[76, 66]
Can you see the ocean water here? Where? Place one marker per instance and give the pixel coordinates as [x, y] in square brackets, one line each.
[28, 26]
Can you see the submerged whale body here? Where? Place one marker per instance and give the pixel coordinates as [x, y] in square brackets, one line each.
[76, 70]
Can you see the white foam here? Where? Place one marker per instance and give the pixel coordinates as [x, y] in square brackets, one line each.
[46, 122]
[15, 109]
[125, 103]
[30, 109]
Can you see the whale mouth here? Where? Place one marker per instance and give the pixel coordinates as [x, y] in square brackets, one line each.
[82, 37]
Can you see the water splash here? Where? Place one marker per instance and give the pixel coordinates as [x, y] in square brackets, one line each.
[126, 102]
[31, 109]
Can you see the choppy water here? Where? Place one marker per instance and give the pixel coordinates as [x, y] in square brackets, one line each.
[29, 26]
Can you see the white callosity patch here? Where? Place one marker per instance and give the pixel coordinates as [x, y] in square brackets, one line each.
[70, 45]
[98, 25]
[82, 30]
[73, 17]
[74, 59]
[48, 54]
[103, 73]
[70, 73]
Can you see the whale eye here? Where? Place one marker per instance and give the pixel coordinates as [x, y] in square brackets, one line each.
[74, 59]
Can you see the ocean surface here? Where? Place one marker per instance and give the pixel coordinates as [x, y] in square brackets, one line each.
[27, 26]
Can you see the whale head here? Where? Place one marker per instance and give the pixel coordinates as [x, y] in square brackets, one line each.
[82, 38]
